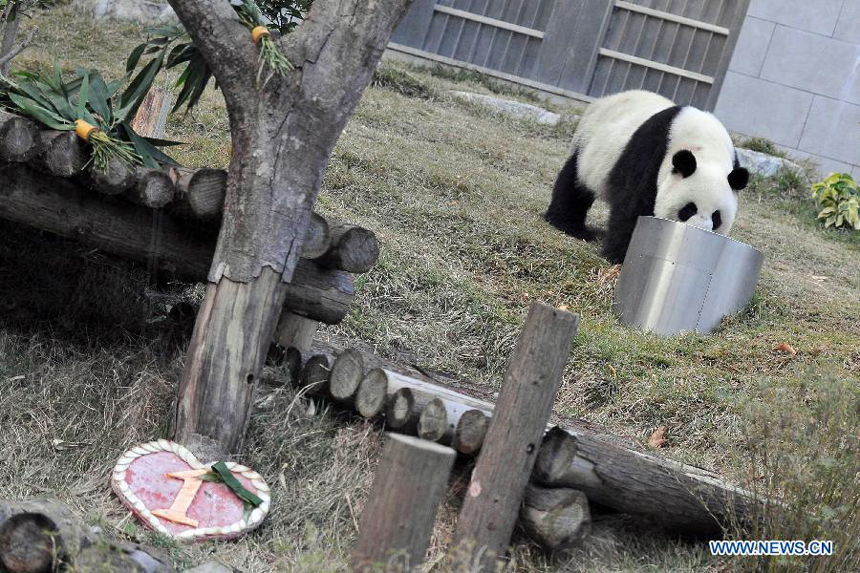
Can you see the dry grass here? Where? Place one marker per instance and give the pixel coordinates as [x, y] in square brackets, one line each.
[455, 194]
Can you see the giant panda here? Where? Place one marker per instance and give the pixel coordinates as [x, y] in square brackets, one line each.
[645, 155]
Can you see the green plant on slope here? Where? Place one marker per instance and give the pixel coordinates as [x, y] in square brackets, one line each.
[171, 47]
[91, 107]
[839, 200]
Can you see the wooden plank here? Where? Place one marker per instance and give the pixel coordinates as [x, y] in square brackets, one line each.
[489, 21]
[510, 449]
[397, 522]
[672, 17]
[656, 66]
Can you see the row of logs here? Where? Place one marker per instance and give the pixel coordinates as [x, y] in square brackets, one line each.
[578, 457]
[322, 285]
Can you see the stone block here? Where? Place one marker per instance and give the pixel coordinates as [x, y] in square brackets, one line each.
[759, 108]
[833, 130]
[848, 26]
[814, 63]
[762, 163]
[134, 10]
[510, 108]
[817, 16]
[751, 49]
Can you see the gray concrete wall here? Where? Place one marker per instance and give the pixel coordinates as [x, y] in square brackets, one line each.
[795, 79]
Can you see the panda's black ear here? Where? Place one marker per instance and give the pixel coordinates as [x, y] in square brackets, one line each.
[684, 162]
[738, 178]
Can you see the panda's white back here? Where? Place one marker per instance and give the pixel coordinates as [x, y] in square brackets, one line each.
[606, 127]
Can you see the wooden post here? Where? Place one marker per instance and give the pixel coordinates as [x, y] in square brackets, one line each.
[151, 117]
[502, 472]
[397, 522]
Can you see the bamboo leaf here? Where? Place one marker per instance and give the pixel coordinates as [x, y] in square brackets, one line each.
[235, 485]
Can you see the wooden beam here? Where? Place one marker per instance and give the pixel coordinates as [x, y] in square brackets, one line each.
[668, 16]
[494, 22]
[410, 483]
[656, 66]
[513, 439]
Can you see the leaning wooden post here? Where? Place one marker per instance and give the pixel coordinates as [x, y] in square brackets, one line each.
[508, 455]
[397, 522]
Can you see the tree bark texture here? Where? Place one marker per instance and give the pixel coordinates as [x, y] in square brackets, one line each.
[282, 137]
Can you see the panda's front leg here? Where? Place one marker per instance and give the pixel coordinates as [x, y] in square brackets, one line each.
[619, 231]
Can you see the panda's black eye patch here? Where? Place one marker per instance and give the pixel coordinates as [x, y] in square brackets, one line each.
[717, 219]
[687, 211]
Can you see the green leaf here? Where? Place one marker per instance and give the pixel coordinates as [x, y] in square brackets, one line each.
[83, 95]
[40, 114]
[139, 87]
[235, 485]
[99, 98]
[134, 58]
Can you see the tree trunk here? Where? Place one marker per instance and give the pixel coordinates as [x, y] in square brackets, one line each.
[282, 135]
[10, 32]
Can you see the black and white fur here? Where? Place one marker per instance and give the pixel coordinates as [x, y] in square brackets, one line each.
[646, 156]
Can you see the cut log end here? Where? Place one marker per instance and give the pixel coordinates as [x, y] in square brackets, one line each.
[315, 375]
[346, 375]
[152, 188]
[398, 413]
[64, 154]
[471, 431]
[29, 543]
[115, 179]
[372, 393]
[556, 518]
[19, 138]
[318, 238]
[353, 249]
[557, 453]
[433, 421]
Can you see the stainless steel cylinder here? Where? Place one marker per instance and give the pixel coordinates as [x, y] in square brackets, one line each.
[677, 277]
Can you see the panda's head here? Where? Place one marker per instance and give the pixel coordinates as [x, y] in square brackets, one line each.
[702, 194]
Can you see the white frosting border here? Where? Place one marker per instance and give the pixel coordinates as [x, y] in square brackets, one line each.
[123, 491]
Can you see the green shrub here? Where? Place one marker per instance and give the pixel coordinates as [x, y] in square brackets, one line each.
[762, 145]
[839, 200]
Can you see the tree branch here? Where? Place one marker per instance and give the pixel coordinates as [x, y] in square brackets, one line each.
[224, 42]
[11, 54]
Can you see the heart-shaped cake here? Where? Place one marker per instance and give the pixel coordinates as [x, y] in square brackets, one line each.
[171, 492]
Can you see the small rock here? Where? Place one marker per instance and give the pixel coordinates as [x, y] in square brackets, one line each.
[764, 164]
[210, 567]
[512, 108]
[134, 10]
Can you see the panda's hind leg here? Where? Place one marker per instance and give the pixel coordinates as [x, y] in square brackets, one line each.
[570, 204]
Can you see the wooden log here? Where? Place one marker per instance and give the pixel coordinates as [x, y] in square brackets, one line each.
[39, 536]
[398, 519]
[288, 360]
[19, 138]
[315, 375]
[433, 421]
[199, 193]
[470, 432]
[60, 206]
[680, 497]
[114, 180]
[64, 154]
[152, 188]
[346, 375]
[372, 394]
[353, 249]
[400, 409]
[296, 331]
[556, 518]
[522, 411]
[318, 238]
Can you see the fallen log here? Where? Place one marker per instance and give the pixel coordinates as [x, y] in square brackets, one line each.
[557, 518]
[115, 179]
[353, 249]
[140, 234]
[609, 470]
[346, 375]
[39, 536]
[680, 497]
[19, 138]
[372, 395]
[470, 432]
[152, 188]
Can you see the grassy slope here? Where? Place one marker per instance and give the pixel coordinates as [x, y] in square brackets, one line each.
[455, 195]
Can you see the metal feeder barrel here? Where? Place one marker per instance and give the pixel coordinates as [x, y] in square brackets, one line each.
[677, 278]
